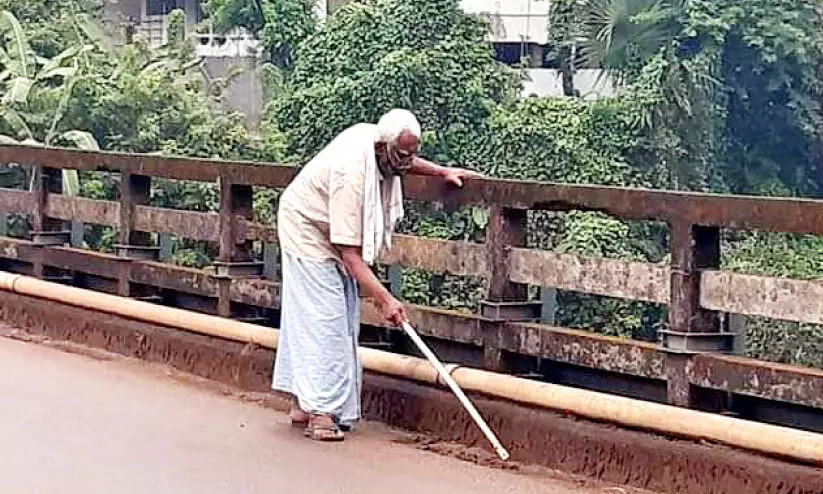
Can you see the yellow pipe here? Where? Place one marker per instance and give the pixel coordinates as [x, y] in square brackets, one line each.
[681, 422]
[143, 311]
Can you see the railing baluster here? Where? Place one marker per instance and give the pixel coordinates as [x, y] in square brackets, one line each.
[691, 329]
[548, 299]
[78, 232]
[46, 231]
[235, 257]
[166, 249]
[505, 301]
[395, 278]
[135, 190]
[271, 261]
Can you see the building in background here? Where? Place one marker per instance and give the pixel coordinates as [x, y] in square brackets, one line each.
[222, 53]
[519, 33]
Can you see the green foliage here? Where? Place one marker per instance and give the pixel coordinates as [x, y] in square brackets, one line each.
[771, 254]
[565, 140]
[147, 103]
[138, 99]
[714, 69]
[622, 35]
[772, 68]
[374, 55]
[51, 26]
[37, 87]
[141, 100]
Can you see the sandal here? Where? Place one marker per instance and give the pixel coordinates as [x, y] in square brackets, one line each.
[323, 428]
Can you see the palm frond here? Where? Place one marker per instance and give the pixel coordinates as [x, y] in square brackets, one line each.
[21, 61]
[62, 72]
[18, 91]
[94, 31]
[15, 122]
[67, 89]
[50, 64]
[81, 139]
[614, 34]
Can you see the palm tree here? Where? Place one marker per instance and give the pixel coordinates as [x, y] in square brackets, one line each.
[619, 36]
[640, 42]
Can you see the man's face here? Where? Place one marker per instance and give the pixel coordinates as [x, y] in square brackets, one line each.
[401, 153]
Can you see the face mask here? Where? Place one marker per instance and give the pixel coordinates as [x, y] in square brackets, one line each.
[398, 161]
[385, 168]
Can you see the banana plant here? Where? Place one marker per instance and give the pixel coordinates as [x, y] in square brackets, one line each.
[22, 73]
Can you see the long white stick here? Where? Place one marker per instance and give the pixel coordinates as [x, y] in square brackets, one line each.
[464, 400]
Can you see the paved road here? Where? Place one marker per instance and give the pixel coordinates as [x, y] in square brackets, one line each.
[71, 423]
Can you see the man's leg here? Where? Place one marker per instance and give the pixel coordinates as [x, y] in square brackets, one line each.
[318, 340]
[351, 410]
[283, 376]
[282, 379]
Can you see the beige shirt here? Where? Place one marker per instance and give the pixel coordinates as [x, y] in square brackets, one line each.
[320, 208]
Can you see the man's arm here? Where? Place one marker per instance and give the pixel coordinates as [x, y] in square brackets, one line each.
[392, 309]
[452, 175]
[425, 167]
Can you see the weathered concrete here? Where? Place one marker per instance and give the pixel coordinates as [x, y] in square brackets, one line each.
[70, 423]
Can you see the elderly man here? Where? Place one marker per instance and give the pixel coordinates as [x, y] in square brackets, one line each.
[334, 220]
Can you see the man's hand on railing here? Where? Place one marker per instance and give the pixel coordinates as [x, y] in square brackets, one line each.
[456, 176]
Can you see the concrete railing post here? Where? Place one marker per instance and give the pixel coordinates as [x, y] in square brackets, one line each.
[235, 258]
[135, 190]
[691, 329]
[505, 301]
[47, 231]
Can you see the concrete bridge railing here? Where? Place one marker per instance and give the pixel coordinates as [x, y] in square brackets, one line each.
[692, 365]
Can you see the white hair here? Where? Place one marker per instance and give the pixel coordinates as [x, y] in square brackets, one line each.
[394, 123]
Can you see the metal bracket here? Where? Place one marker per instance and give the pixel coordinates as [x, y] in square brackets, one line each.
[239, 269]
[137, 252]
[51, 238]
[692, 343]
[61, 279]
[511, 311]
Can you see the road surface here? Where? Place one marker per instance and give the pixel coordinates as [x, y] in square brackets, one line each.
[72, 423]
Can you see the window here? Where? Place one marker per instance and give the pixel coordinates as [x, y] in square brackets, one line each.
[514, 53]
[162, 7]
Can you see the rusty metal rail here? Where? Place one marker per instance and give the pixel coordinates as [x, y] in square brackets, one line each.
[689, 367]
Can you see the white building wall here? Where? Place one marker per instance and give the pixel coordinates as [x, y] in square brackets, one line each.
[513, 21]
[549, 82]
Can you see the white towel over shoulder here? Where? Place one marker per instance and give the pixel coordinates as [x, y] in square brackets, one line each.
[382, 198]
